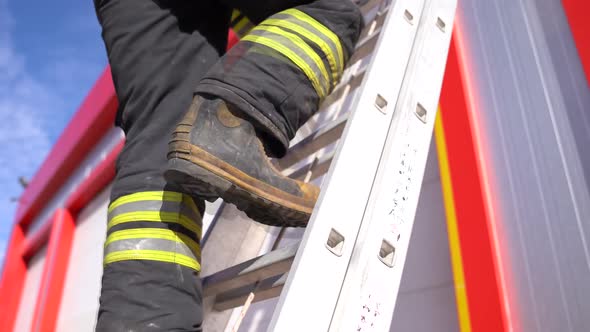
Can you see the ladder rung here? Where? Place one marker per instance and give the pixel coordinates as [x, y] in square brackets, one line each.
[364, 47]
[346, 86]
[320, 168]
[264, 290]
[322, 137]
[353, 83]
[372, 28]
[371, 5]
[274, 263]
[249, 272]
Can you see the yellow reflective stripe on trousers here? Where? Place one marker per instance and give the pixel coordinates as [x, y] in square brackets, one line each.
[234, 14]
[156, 206]
[156, 216]
[166, 196]
[303, 47]
[155, 233]
[291, 56]
[308, 31]
[240, 23]
[243, 27]
[296, 50]
[319, 26]
[153, 255]
[152, 244]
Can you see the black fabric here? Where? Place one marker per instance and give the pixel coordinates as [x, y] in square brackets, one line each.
[268, 87]
[159, 50]
[258, 10]
[149, 296]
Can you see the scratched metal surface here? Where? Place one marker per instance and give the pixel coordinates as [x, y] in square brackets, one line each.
[426, 299]
[535, 103]
[427, 287]
[259, 314]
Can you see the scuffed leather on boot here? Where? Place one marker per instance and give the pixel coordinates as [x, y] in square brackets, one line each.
[216, 152]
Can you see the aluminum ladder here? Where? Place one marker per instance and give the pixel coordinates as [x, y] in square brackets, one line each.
[367, 147]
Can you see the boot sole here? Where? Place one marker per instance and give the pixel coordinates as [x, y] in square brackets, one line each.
[259, 205]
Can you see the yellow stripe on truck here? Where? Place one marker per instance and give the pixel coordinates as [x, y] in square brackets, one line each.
[453, 230]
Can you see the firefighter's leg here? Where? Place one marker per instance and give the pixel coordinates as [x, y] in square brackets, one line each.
[260, 93]
[158, 51]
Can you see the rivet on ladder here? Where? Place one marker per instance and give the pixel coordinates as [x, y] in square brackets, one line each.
[441, 24]
[387, 253]
[421, 112]
[381, 104]
[409, 17]
[335, 242]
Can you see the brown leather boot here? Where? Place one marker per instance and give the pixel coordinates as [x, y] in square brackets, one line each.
[214, 153]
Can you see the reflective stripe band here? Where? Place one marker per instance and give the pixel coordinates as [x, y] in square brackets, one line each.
[334, 67]
[293, 52]
[156, 216]
[188, 246]
[156, 206]
[243, 26]
[166, 196]
[240, 24]
[152, 255]
[234, 14]
[151, 206]
[320, 27]
[152, 244]
[286, 37]
[314, 35]
[296, 50]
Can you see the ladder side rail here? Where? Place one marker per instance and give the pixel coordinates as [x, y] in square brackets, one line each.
[371, 285]
[323, 256]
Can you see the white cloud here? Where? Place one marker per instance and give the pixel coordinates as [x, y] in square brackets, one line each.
[10, 63]
[23, 100]
[35, 104]
[26, 103]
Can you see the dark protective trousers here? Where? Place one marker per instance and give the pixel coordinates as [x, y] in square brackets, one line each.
[161, 53]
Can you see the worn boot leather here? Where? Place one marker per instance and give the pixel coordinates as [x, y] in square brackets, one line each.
[215, 152]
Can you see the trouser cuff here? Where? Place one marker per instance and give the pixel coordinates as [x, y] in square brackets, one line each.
[275, 133]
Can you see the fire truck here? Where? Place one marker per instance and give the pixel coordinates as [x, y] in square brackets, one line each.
[454, 163]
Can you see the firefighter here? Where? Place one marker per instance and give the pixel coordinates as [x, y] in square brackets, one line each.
[201, 123]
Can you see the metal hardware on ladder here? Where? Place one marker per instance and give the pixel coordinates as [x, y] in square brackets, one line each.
[387, 253]
[335, 242]
[371, 164]
[381, 104]
[338, 214]
[421, 112]
[388, 219]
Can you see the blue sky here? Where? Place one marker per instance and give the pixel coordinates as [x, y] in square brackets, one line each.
[51, 53]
